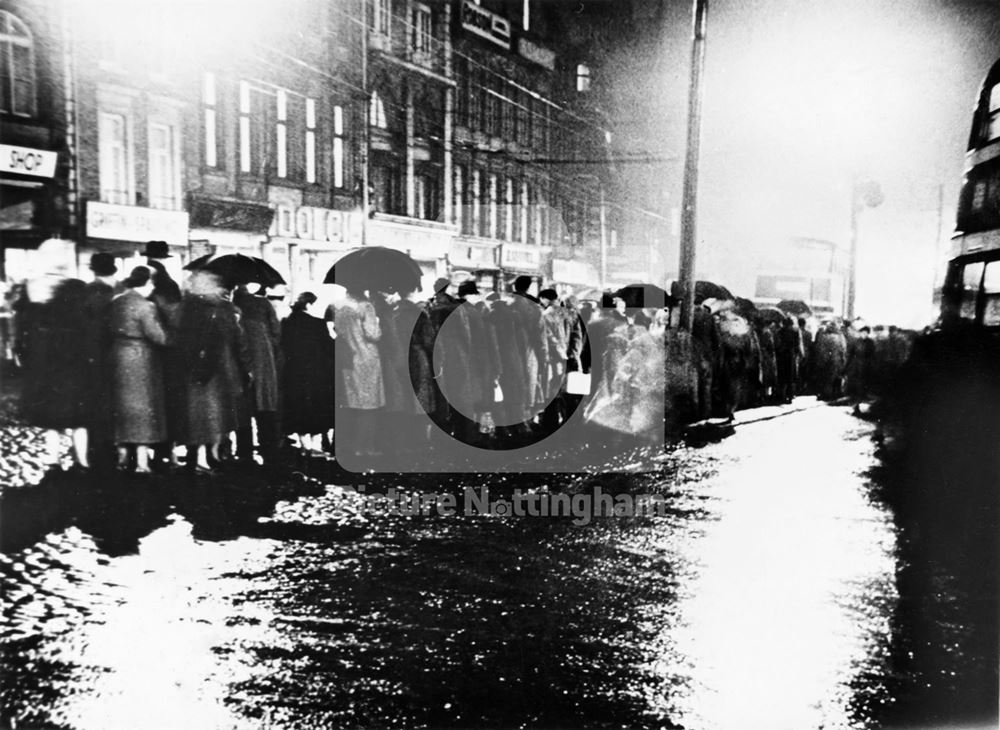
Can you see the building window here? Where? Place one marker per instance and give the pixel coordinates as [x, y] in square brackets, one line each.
[376, 112]
[17, 66]
[476, 97]
[245, 162]
[164, 167]
[381, 13]
[338, 146]
[494, 213]
[211, 121]
[508, 211]
[425, 193]
[507, 116]
[525, 211]
[475, 207]
[281, 132]
[993, 118]
[490, 115]
[422, 27]
[114, 158]
[463, 94]
[582, 78]
[311, 141]
[458, 198]
[526, 14]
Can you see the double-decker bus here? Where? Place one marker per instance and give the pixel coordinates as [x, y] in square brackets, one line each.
[971, 292]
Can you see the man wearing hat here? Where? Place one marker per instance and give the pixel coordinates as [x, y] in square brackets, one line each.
[97, 313]
[528, 315]
[157, 250]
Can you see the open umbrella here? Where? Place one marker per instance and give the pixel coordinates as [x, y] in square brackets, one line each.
[591, 295]
[645, 296]
[745, 308]
[795, 307]
[703, 290]
[237, 268]
[376, 268]
[767, 315]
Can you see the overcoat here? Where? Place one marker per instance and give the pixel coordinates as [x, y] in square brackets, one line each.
[830, 356]
[137, 373]
[528, 314]
[97, 312]
[263, 336]
[307, 373]
[54, 342]
[408, 339]
[214, 400]
[358, 358]
[512, 342]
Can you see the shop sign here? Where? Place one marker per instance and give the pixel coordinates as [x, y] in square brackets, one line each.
[27, 161]
[482, 22]
[569, 271]
[316, 224]
[536, 53]
[472, 255]
[132, 223]
[523, 257]
[421, 243]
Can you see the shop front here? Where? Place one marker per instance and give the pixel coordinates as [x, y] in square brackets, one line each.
[477, 258]
[305, 241]
[520, 259]
[426, 242]
[571, 275]
[124, 230]
[27, 207]
[224, 225]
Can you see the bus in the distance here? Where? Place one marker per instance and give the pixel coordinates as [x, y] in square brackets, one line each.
[971, 291]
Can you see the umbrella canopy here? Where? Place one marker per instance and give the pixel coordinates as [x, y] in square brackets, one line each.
[795, 307]
[376, 268]
[592, 295]
[703, 290]
[648, 296]
[745, 308]
[238, 269]
[767, 315]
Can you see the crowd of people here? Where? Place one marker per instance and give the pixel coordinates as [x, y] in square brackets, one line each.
[138, 367]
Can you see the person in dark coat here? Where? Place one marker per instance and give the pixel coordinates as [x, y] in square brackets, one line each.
[454, 359]
[97, 311]
[410, 393]
[768, 363]
[307, 375]
[137, 372]
[167, 298]
[510, 414]
[528, 313]
[484, 358]
[830, 359]
[57, 393]
[788, 354]
[861, 365]
[705, 346]
[263, 337]
[216, 366]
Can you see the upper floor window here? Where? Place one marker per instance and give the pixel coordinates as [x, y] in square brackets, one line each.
[526, 14]
[422, 32]
[381, 12]
[17, 66]
[582, 77]
[993, 115]
[376, 112]
[211, 121]
[164, 167]
[338, 146]
[114, 145]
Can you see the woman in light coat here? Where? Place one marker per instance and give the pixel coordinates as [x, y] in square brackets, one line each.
[361, 390]
[140, 416]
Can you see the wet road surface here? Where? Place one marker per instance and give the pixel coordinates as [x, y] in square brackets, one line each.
[766, 597]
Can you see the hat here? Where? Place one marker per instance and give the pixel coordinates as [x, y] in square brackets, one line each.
[103, 264]
[468, 287]
[550, 294]
[522, 283]
[157, 250]
[441, 284]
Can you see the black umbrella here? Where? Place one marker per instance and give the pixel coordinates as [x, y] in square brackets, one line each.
[703, 290]
[645, 296]
[237, 268]
[376, 268]
[767, 315]
[269, 276]
[795, 307]
[745, 308]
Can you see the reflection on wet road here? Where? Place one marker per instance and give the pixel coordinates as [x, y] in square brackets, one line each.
[764, 598]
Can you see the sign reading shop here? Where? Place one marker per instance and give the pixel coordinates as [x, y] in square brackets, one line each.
[27, 161]
[482, 22]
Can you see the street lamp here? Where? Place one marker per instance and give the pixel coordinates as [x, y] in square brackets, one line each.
[864, 194]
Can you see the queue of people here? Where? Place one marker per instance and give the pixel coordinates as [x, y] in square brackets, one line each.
[137, 367]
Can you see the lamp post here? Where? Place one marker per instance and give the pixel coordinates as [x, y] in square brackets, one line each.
[864, 194]
[689, 201]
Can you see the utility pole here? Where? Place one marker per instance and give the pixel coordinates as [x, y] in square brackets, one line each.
[852, 271]
[366, 128]
[690, 196]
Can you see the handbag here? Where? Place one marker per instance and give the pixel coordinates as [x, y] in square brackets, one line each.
[578, 383]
